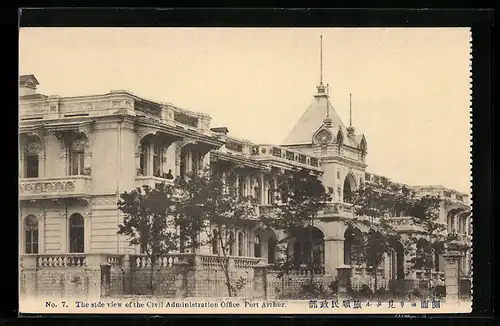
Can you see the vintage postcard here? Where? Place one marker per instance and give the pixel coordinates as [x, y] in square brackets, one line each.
[245, 171]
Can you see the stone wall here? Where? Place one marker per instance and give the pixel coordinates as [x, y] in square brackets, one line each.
[177, 275]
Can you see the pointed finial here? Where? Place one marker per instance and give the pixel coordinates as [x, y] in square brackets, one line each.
[321, 60]
[350, 129]
[350, 109]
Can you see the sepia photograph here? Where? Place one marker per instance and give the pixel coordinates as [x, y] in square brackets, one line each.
[245, 170]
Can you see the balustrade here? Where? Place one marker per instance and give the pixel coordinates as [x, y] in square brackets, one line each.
[150, 181]
[68, 186]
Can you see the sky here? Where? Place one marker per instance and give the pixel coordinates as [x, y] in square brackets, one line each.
[410, 87]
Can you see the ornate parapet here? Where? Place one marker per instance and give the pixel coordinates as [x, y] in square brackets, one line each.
[61, 187]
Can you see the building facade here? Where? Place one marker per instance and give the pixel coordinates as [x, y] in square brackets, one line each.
[78, 154]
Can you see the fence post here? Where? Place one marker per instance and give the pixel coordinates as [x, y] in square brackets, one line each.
[126, 275]
[181, 279]
[28, 275]
[344, 279]
[260, 280]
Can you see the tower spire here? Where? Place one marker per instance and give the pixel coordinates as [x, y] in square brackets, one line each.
[350, 129]
[321, 87]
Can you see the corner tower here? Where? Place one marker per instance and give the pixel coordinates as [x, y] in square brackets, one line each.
[321, 132]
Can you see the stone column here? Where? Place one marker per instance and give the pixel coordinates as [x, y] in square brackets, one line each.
[262, 189]
[41, 233]
[64, 233]
[87, 162]
[334, 254]
[150, 170]
[451, 275]
[41, 164]
[87, 230]
[237, 184]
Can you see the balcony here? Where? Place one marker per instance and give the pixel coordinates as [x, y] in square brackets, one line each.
[150, 181]
[338, 209]
[52, 188]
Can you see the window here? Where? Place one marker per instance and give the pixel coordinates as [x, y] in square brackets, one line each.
[231, 244]
[76, 234]
[270, 193]
[31, 234]
[31, 163]
[256, 246]
[271, 250]
[240, 244]
[297, 253]
[76, 156]
[436, 261]
[241, 187]
[143, 159]
[215, 238]
[338, 174]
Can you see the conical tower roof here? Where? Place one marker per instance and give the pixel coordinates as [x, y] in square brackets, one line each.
[314, 118]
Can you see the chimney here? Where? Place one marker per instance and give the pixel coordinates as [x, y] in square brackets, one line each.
[27, 85]
[220, 130]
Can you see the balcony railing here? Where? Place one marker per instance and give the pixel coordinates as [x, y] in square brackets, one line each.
[60, 187]
[150, 181]
[284, 155]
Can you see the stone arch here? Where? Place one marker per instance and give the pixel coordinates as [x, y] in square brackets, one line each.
[349, 187]
[264, 242]
[303, 248]
[353, 238]
[322, 137]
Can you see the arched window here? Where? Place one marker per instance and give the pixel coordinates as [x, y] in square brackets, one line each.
[231, 243]
[76, 155]
[256, 246]
[143, 158]
[31, 234]
[348, 190]
[240, 244]
[76, 234]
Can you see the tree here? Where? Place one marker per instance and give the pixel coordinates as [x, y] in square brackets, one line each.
[149, 221]
[300, 197]
[431, 237]
[211, 205]
[372, 206]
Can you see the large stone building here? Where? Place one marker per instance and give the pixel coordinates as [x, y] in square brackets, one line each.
[77, 154]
